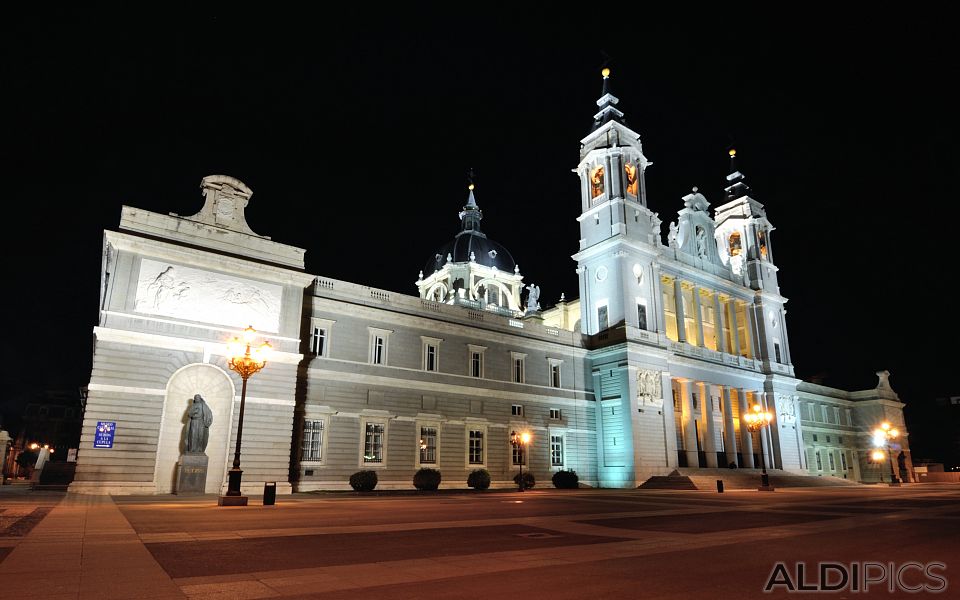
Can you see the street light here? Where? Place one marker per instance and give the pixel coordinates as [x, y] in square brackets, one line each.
[245, 361]
[520, 440]
[756, 420]
[882, 438]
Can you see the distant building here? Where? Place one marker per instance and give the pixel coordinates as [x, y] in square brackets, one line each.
[650, 369]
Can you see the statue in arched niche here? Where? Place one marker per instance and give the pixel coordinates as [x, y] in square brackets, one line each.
[198, 429]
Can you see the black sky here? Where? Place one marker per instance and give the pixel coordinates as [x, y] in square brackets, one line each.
[355, 130]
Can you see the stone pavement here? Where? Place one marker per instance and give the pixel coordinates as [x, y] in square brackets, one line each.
[84, 548]
[543, 543]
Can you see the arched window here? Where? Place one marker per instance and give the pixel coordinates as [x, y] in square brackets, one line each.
[735, 245]
[596, 182]
[633, 183]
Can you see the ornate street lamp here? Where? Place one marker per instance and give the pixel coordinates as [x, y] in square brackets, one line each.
[883, 437]
[520, 440]
[246, 361]
[756, 420]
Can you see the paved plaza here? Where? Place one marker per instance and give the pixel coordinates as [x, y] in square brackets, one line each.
[537, 544]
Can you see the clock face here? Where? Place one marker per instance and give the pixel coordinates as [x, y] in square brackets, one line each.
[601, 273]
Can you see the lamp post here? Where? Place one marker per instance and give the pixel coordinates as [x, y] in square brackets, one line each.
[883, 437]
[246, 361]
[756, 420]
[520, 440]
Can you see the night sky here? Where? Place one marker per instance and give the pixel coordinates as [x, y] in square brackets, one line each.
[355, 131]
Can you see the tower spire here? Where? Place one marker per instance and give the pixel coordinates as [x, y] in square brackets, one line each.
[737, 188]
[471, 214]
[607, 103]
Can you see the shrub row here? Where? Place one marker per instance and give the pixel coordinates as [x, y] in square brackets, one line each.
[479, 479]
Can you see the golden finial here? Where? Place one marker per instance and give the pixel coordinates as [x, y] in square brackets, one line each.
[605, 72]
[733, 152]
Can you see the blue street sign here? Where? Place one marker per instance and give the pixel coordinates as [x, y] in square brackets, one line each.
[103, 436]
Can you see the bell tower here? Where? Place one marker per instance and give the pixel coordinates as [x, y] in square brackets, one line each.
[619, 235]
[743, 240]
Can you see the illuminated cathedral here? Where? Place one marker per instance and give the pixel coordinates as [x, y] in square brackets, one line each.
[676, 336]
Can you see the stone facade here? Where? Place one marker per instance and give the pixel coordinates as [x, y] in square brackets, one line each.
[649, 370]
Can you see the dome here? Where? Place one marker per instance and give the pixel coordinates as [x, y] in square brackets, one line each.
[469, 241]
[485, 251]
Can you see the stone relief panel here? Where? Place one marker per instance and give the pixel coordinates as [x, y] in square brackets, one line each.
[195, 295]
[649, 387]
[787, 409]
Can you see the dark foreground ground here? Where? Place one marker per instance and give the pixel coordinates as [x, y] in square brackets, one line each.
[538, 544]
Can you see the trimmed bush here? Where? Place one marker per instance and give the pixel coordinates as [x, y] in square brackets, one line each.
[566, 480]
[426, 480]
[364, 481]
[479, 479]
[528, 480]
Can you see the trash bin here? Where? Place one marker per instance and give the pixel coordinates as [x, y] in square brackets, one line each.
[270, 493]
[719, 489]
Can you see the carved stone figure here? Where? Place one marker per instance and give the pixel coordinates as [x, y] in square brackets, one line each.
[701, 242]
[649, 386]
[198, 430]
[672, 236]
[533, 298]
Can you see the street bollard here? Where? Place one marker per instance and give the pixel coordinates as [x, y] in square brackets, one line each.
[719, 486]
[270, 493]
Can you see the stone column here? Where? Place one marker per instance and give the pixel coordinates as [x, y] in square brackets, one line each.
[657, 287]
[689, 429]
[766, 444]
[783, 337]
[669, 421]
[709, 426]
[729, 433]
[734, 332]
[744, 432]
[749, 313]
[718, 326]
[681, 319]
[698, 314]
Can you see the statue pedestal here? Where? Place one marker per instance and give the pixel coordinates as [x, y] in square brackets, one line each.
[192, 473]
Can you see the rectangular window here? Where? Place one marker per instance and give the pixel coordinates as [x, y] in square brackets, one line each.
[476, 447]
[431, 353]
[428, 445]
[833, 464]
[516, 410]
[475, 360]
[823, 413]
[843, 461]
[519, 455]
[519, 367]
[556, 450]
[836, 414]
[373, 443]
[555, 375]
[603, 321]
[814, 437]
[776, 351]
[641, 315]
[839, 439]
[378, 350]
[379, 339]
[319, 344]
[819, 461]
[312, 440]
[555, 414]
